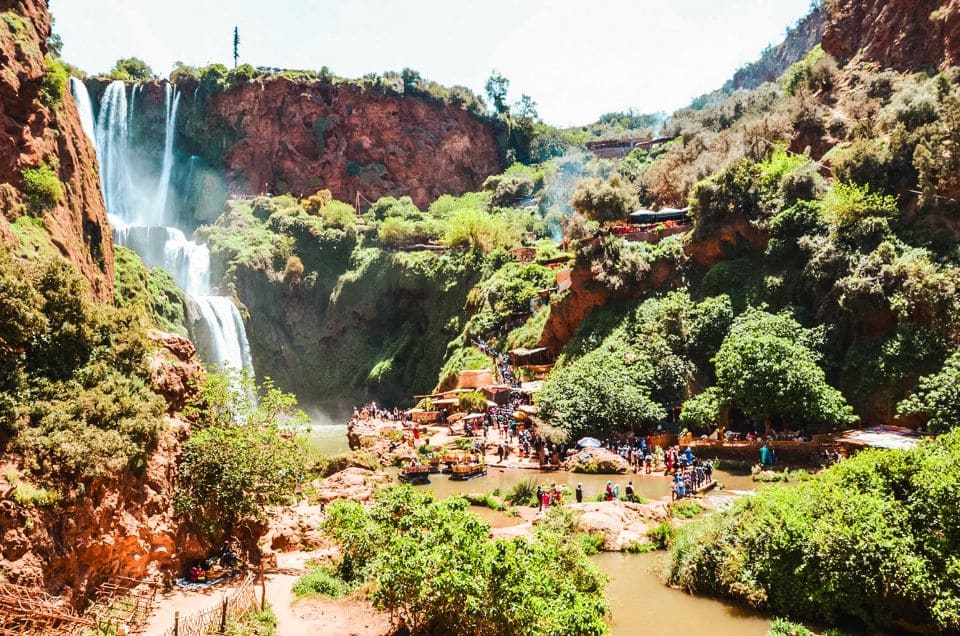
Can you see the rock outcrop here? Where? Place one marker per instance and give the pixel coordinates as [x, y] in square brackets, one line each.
[599, 461]
[174, 368]
[776, 60]
[39, 130]
[904, 35]
[303, 136]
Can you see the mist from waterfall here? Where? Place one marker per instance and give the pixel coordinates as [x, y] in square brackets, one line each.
[141, 222]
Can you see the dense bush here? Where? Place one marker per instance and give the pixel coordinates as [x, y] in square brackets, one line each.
[872, 542]
[42, 187]
[473, 402]
[604, 200]
[246, 454]
[74, 385]
[936, 400]
[54, 83]
[432, 564]
[131, 69]
[767, 367]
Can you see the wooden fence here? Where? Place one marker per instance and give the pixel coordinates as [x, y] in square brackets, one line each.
[214, 618]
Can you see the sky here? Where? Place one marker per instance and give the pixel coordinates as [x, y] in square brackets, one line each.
[576, 59]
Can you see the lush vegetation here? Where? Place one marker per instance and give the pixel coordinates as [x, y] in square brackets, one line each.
[131, 69]
[246, 453]
[152, 290]
[75, 396]
[430, 563]
[42, 186]
[871, 542]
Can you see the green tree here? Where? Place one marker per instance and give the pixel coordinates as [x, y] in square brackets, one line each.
[236, 46]
[766, 368]
[604, 200]
[248, 454]
[131, 68]
[936, 400]
[432, 564]
[497, 87]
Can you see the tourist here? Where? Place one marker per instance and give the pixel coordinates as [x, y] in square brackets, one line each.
[608, 492]
[648, 462]
[631, 496]
[616, 492]
[579, 493]
[766, 458]
[540, 497]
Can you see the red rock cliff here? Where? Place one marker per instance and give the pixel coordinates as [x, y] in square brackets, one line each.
[305, 136]
[899, 34]
[32, 134]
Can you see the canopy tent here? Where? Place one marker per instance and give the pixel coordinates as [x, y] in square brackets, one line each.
[644, 217]
[523, 356]
[589, 442]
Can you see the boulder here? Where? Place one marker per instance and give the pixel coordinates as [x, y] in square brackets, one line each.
[599, 461]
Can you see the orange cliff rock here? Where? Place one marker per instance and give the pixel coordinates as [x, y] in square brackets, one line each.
[904, 35]
[305, 136]
[31, 135]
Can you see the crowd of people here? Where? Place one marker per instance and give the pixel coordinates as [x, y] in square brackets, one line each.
[373, 412]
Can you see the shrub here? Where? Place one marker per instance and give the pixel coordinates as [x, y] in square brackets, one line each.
[435, 568]
[592, 543]
[42, 187]
[846, 204]
[662, 535]
[473, 402]
[522, 493]
[323, 582]
[604, 200]
[54, 83]
[867, 542]
[783, 627]
[685, 509]
[293, 272]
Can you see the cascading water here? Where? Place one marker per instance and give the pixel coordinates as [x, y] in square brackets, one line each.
[171, 101]
[84, 107]
[140, 221]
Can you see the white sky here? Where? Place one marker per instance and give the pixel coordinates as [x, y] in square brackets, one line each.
[577, 59]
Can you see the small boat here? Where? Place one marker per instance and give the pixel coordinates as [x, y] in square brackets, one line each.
[463, 472]
[415, 475]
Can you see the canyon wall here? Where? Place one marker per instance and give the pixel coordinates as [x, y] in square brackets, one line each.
[36, 131]
[278, 135]
[901, 34]
[777, 60]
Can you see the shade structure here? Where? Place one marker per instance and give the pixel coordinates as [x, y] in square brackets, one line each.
[589, 442]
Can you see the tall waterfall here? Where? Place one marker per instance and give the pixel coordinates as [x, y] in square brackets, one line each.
[170, 102]
[138, 213]
[84, 107]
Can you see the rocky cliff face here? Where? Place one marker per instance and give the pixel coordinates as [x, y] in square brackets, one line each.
[900, 34]
[776, 60]
[33, 134]
[305, 136]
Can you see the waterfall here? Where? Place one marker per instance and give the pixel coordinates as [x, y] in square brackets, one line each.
[137, 207]
[226, 335]
[85, 107]
[170, 102]
[112, 150]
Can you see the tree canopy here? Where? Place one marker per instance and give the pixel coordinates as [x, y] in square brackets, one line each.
[131, 68]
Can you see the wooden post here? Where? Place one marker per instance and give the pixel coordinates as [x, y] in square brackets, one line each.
[223, 616]
[263, 588]
[176, 624]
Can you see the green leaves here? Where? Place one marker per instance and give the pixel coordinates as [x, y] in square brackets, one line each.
[431, 562]
[766, 368]
[936, 400]
[247, 455]
[872, 539]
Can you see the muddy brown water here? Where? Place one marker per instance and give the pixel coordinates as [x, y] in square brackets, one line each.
[641, 604]
[649, 487]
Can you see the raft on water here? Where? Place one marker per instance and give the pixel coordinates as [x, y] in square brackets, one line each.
[415, 475]
[463, 472]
